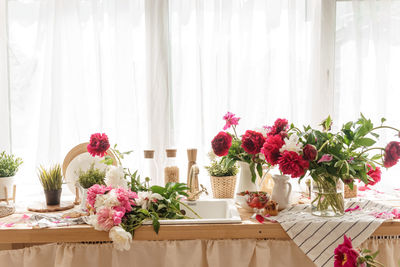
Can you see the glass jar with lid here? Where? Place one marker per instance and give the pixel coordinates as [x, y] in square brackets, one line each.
[171, 170]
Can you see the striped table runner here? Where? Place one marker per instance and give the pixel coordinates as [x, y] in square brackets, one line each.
[318, 237]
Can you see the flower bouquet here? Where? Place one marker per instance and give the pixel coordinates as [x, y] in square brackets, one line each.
[331, 158]
[347, 256]
[124, 203]
[233, 148]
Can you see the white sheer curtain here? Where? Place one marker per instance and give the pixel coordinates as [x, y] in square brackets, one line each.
[249, 57]
[367, 65]
[153, 73]
[79, 67]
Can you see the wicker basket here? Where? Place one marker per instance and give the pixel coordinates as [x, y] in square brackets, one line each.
[348, 193]
[223, 187]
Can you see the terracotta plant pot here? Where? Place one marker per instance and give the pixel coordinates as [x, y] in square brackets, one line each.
[53, 197]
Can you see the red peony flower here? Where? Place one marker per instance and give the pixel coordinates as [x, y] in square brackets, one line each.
[310, 152]
[252, 142]
[345, 254]
[221, 144]
[280, 127]
[392, 154]
[374, 174]
[230, 120]
[293, 164]
[271, 148]
[98, 145]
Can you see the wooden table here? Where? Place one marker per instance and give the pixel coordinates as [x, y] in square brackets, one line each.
[248, 229]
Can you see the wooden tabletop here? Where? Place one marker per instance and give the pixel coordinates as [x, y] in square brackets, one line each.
[248, 229]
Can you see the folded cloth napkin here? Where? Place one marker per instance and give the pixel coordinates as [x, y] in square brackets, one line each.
[47, 221]
[318, 237]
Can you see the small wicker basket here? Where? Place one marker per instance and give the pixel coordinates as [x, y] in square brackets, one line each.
[223, 187]
[348, 193]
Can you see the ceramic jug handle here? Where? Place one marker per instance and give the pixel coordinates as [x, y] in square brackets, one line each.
[290, 190]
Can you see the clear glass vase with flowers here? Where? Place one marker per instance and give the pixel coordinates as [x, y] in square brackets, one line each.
[332, 159]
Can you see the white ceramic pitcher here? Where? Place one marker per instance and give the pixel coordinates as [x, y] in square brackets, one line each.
[282, 190]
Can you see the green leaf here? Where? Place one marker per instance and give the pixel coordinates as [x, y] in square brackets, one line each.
[376, 157]
[259, 170]
[156, 223]
[253, 173]
[383, 120]
[158, 189]
[365, 141]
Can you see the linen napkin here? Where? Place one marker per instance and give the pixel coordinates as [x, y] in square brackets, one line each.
[318, 237]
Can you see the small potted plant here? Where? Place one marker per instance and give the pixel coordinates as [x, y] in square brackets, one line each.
[51, 181]
[223, 178]
[89, 178]
[9, 165]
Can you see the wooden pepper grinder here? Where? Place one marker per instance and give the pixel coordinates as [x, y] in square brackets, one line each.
[192, 157]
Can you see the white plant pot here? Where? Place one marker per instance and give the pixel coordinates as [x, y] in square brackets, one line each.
[6, 182]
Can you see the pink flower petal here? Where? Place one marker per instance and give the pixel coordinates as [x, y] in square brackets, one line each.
[363, 188]
[353, 209]
[260, 218]
[9, 225]
[25, 217]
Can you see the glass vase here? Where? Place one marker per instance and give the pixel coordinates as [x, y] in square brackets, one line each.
[327, 196]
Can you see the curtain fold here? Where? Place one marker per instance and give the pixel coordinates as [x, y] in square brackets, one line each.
[5, 129]
[367, 62]
[197, 253]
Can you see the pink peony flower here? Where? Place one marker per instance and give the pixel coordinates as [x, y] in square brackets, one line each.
[252, 142]
[230, 120]
[126, 198]
[107, 218]
[374, 174]
[221, 144]
[271, 149]
[392, 154]
[293, 164]
[325, 158]
[345, 254]
[94, 191]
[280, 127]
[98, 144]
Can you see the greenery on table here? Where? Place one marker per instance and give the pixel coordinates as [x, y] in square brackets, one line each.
[168, 208]
[221, 169]
[50, 179]
[91, 177]
[350, 148]
[9, 164]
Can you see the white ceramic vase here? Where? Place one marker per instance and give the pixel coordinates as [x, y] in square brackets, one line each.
[245, 183]
[282, 190]
[6, 182]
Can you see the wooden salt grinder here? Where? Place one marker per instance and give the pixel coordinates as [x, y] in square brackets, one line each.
[192, 157]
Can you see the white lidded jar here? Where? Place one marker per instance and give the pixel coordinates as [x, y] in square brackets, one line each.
[150, 168]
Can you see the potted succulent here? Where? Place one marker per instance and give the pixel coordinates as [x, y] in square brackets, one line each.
[9, 165]
[51, 181]
[89, 178]
[223, 178]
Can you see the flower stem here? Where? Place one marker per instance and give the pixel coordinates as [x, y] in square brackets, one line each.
[234, 130]
[369, 149]
[387, 127]
[323, 145]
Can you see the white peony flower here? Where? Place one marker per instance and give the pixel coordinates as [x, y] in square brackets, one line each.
[292, 144]
[121, 238]
[115, 177]
[107, 200]
[92, 220]
[144, 198]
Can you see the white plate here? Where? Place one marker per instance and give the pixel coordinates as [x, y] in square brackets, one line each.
[78, 159]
